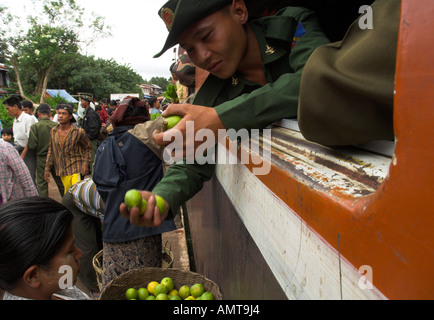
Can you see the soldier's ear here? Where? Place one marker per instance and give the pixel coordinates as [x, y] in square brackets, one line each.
[240, 10]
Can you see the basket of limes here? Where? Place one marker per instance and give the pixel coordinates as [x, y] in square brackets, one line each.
[166, 262]
[161, 284]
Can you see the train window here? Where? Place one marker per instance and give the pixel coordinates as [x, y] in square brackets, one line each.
[335, 16]
[353, 171]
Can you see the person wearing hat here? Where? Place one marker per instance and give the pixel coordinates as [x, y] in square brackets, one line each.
[39, 139]
[69, 149]
[255, 68]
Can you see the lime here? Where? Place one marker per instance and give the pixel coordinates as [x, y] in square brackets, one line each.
[174, 298]
[131, 294]
[133, 198]
[160, 288]
[143, 293]
[150, 297]
[161, 204]
[197, 290]
[168, 282]
[207, 296]
[172, 121]
[184, 292]
[143, 207]
[173, 292]
[162, 296]
[190, 298]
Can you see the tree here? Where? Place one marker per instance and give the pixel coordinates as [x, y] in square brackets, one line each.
[99, 76]
[41, 49]
[53, 37]
[159, 81]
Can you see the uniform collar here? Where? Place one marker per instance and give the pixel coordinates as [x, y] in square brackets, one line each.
[265, 32]
[269, 51]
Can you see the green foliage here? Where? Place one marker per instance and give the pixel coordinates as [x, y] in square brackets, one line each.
[159, 81]
[6, 119]
[49, 50]
[171, 93]
[98, 76]
[44, 45]
[53, 102]
[53, 38]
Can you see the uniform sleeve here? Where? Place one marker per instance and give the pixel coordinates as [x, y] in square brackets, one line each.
[33, 138]
[182, 182]
[31, 121]
[50, 157]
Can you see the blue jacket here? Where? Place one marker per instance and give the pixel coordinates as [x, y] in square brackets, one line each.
[123, 162]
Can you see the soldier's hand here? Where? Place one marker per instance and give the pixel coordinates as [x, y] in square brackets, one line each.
[151, 217]
[194, 116]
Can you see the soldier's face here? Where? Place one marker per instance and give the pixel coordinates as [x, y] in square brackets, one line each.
[218, 42]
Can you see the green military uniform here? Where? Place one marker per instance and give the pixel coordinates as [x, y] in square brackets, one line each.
[39, 138]
[286, 39]
[347, 88]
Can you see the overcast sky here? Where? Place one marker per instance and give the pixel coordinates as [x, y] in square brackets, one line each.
[138, 33]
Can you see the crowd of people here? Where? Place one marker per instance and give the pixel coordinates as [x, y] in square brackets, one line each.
[256, 76]
[63, 148]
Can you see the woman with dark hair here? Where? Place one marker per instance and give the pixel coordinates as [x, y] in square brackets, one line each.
[38, 257]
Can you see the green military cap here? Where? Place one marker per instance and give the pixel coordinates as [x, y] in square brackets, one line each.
[178, 15]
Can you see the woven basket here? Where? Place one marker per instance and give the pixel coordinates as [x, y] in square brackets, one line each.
[167, 262]
[137, 278]
[97, 265]
[167, 259]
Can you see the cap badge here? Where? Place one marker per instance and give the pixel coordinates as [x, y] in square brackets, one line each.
[269, 50]
[167, 15]
[235, 81]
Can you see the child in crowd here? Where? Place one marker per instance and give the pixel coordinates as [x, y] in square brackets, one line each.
[7, 135]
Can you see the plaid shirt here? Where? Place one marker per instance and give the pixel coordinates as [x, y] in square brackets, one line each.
[15, 179]
[70, 158]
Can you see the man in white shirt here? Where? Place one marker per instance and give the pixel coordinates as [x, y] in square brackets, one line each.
[21, 129]
[29, 108]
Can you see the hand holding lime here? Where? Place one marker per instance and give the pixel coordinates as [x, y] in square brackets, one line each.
[172, 121]
[133, 198]
[161, 204]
